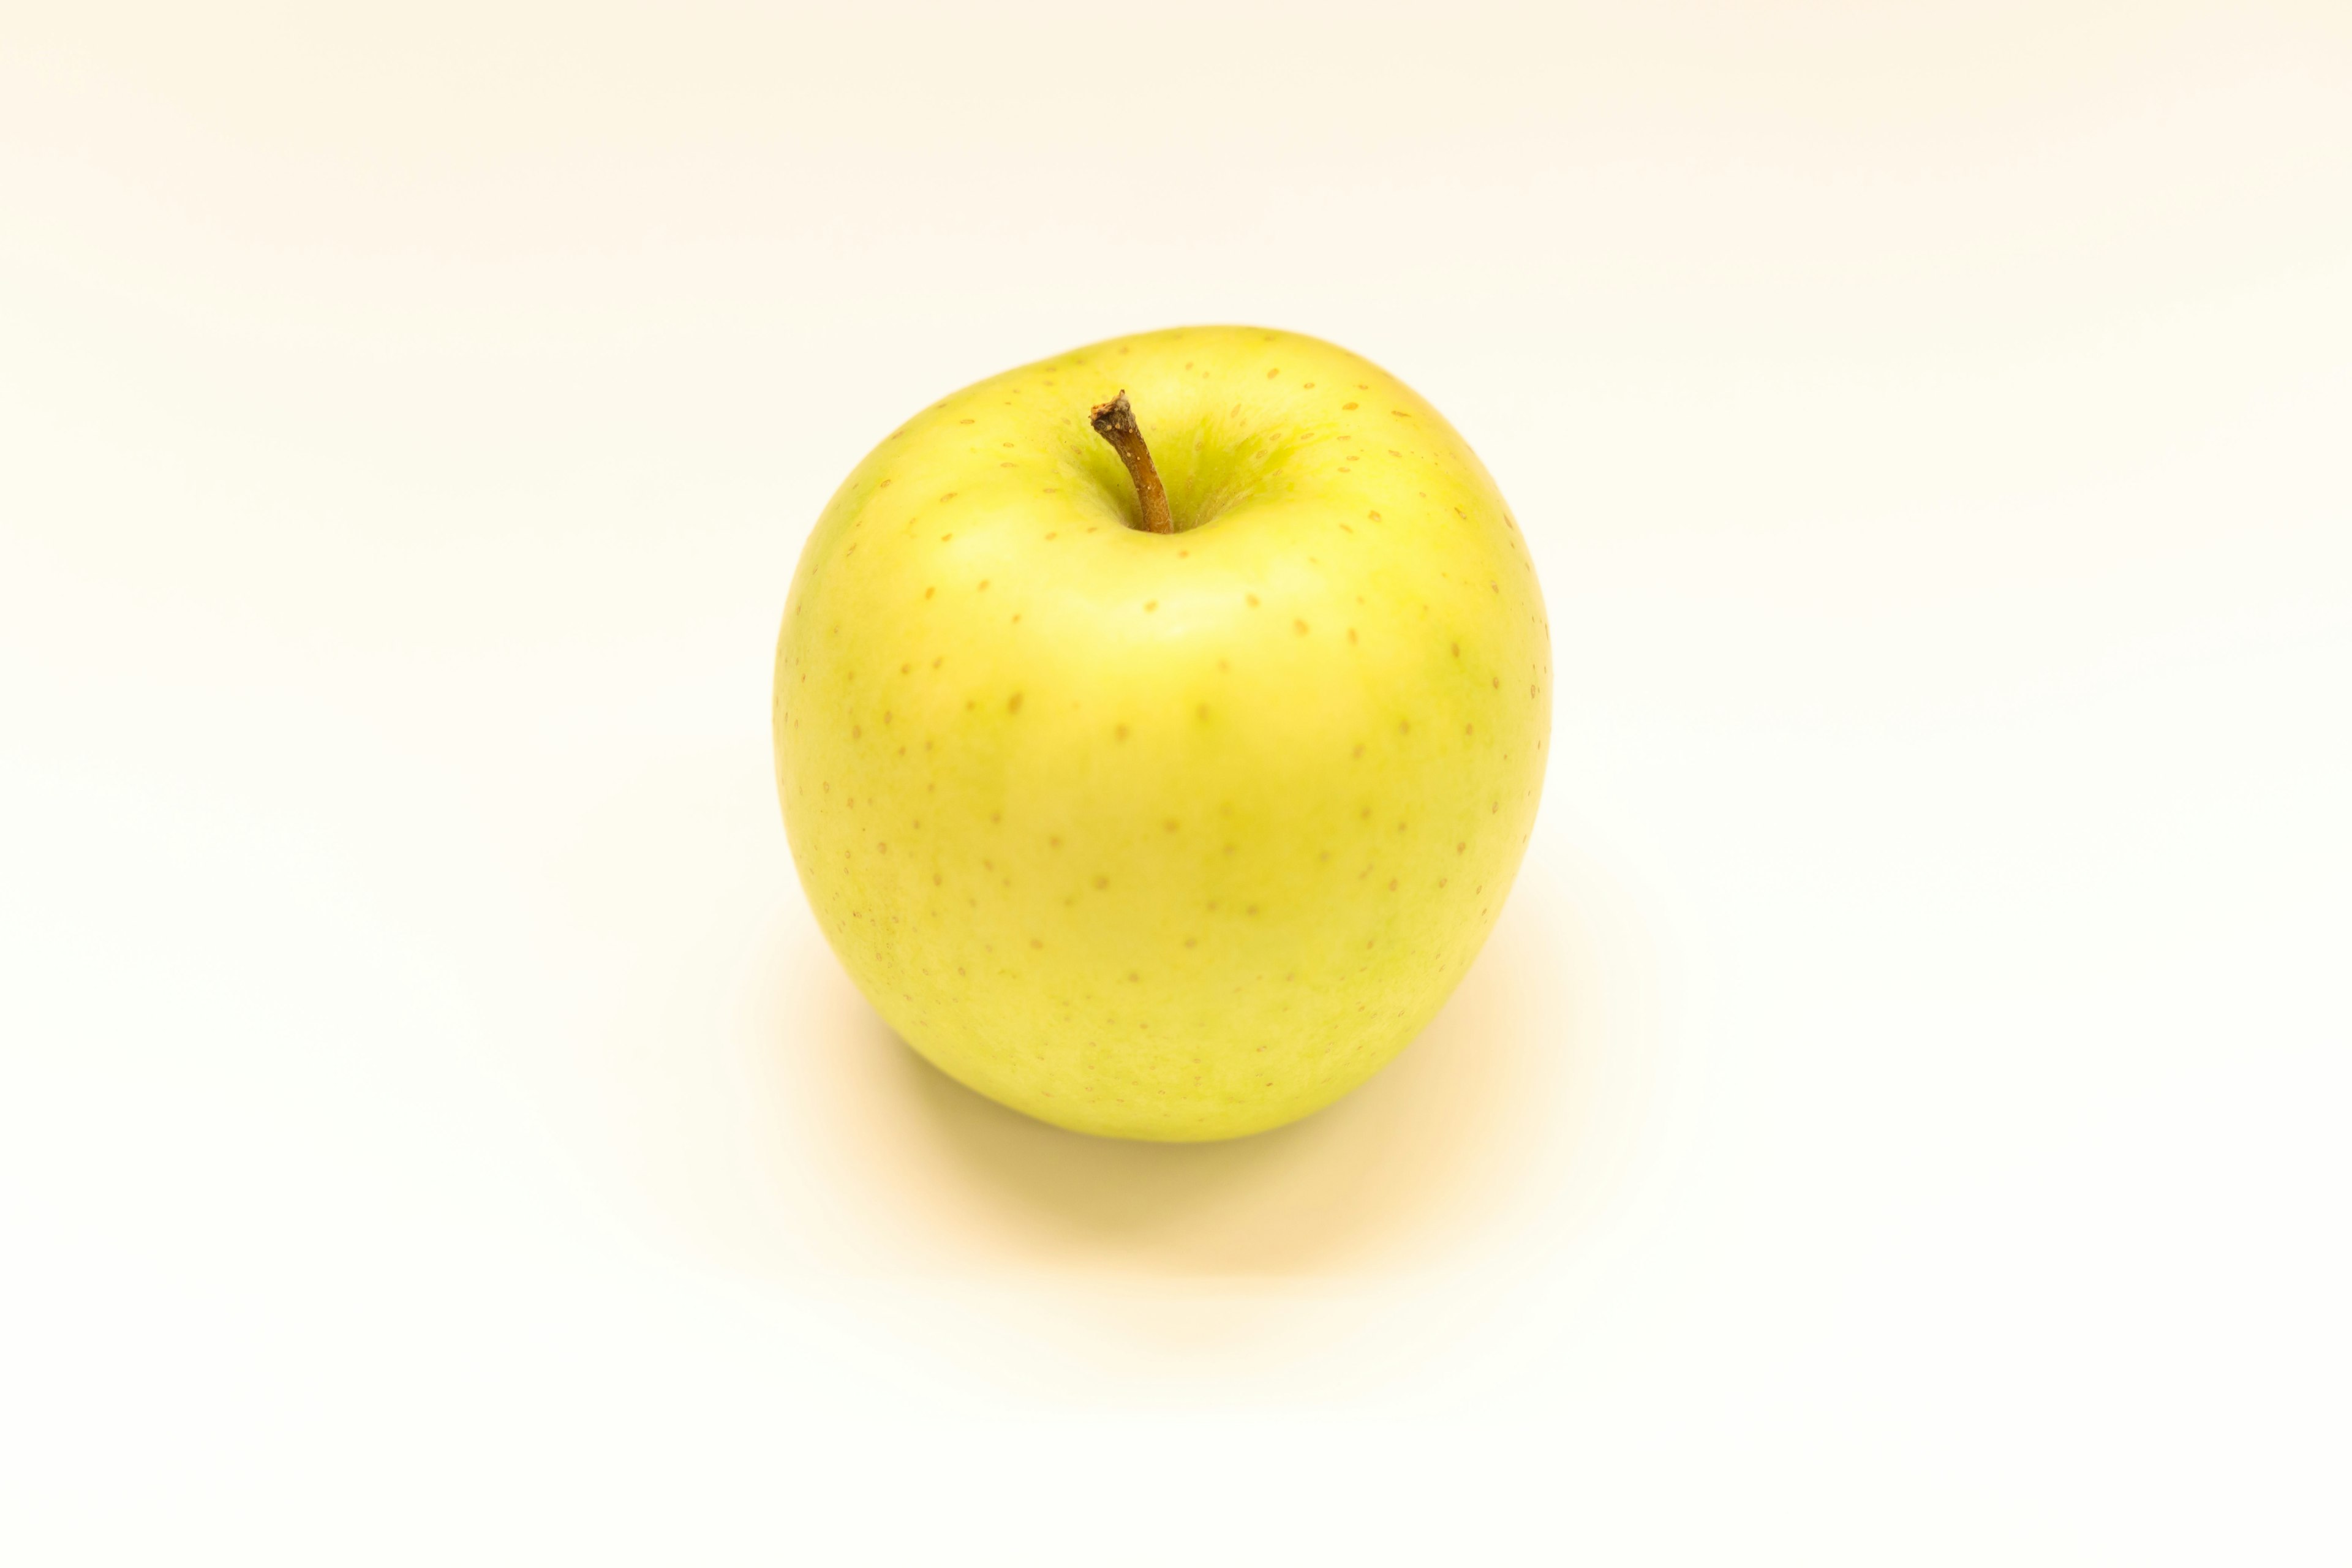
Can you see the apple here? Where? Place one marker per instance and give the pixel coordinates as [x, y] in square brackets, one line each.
[1170, 817]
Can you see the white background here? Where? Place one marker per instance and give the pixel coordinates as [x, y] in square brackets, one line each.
[1901, 1117]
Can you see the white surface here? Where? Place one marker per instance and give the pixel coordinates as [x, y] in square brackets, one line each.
[1900, 1118]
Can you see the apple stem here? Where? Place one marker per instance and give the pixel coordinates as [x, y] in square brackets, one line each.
[1115, 423]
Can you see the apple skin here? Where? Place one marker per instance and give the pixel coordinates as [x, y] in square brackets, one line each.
[1170, 836]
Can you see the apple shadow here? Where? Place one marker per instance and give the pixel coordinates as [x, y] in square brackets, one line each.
[755, 1109]
[1496, 1116]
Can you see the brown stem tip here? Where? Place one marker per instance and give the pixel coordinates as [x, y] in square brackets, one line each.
[1115, 423]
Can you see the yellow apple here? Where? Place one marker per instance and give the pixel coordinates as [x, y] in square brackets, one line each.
[1170, 835]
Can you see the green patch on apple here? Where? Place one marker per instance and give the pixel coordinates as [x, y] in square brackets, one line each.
[1176, 821]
